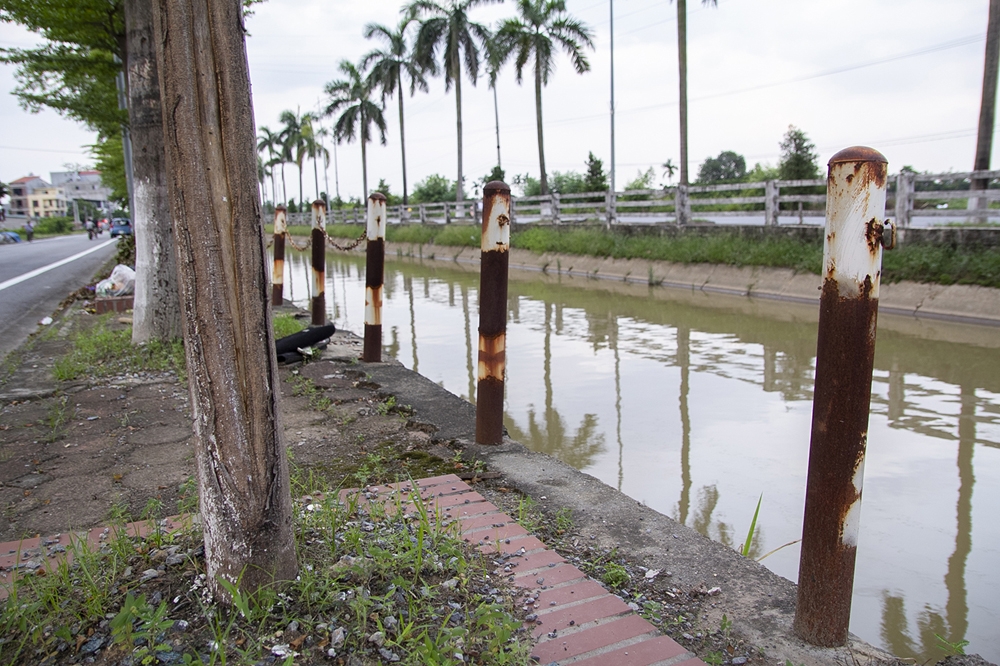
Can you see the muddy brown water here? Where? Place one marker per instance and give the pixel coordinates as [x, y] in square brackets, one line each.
[699, 404]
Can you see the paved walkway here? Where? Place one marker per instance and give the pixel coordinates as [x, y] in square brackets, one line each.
[575, 619]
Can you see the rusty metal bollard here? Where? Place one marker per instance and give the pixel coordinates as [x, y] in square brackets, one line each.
[856, 232]
[319, 263]
[374, 276]
[495, 243]
[278, 277]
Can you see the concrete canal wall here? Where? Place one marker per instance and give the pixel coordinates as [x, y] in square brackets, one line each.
[966, 304]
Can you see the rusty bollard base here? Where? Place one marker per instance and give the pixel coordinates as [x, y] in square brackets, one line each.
[495, 245]
[374, 278]
[842, 397]
[318, 242]
[278, 276]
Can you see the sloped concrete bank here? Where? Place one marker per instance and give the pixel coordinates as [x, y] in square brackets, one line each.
[963, 304]
[760, 604]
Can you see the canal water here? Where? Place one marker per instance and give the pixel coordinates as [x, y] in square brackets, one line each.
[700, 404]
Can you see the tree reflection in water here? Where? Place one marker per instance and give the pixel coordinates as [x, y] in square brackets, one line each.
[550, 436]
[934, 629]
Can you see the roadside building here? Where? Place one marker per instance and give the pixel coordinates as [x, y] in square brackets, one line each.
[47, 202]
[83, 186]
[20, 191]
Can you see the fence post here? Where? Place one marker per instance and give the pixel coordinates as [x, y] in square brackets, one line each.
[318, 241]
[905, 183]
[852, 263]
[682, 205]
[610, 203]
[494, 243]
[447, 219]
[771, 203]
[374, 277]
[278, 276]
[555, 208]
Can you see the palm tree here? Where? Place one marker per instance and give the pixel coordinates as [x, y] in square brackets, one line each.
[353, 98]
[543, 24]
[271, 143]
[669, 169]
[293, 144]
[388, 67]
[682, 66]
[448, 26]
[313, 148]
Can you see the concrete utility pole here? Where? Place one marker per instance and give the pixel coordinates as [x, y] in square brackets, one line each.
[243, 484]
[157, 314]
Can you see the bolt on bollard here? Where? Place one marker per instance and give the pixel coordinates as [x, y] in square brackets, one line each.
[374, 277]
[318, 240]
[856, 232]
[495, 243]
[278, 276]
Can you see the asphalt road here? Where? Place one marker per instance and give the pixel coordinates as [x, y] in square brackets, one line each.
[24, 303]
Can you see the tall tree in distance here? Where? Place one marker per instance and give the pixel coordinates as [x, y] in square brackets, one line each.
[293, 144]
[352, 98]
[543, 26]
[682, 71]
[243, 484]
[447, 27]
[270, 142]
[798, 156]
[387, 67]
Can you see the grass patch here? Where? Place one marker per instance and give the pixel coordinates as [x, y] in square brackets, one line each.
[286, 324]
[373, 587]
[942, 265]
[103, 351]
[721, 248]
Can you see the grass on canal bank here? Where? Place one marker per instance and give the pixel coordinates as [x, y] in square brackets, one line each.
[916, 263]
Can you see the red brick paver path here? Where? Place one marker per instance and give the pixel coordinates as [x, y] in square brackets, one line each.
[575, 619]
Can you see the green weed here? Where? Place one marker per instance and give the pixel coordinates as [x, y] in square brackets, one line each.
[615, 575]
[102, 351]
[286, 324]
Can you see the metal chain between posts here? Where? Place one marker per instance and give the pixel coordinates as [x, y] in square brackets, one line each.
[291, 241]
[350, 246]
[344, 248]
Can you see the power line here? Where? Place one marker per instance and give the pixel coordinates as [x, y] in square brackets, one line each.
[45, 150]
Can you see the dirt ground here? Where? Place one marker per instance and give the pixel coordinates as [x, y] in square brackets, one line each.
[71, 453]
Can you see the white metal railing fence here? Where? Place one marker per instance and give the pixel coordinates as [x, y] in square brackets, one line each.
[681, 204]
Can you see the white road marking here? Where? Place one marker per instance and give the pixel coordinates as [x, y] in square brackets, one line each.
[44, 269]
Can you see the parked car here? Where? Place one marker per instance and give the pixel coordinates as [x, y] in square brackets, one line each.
[9, 237]
[121, 226]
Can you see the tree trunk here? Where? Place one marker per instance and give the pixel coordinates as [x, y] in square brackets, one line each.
[459, 194]
[987, 109]
[402, 141]
[284, 191]
[364, 167]
[682, 67]
[316, 174]
[229, 342]
[157, 313]
[538, 120]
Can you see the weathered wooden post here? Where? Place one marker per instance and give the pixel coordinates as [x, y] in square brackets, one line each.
[318, 241]
[374, 277]
[494, 243]
[852, 261]
[278, 276]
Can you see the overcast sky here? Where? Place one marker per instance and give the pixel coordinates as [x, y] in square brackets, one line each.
[902, 76]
